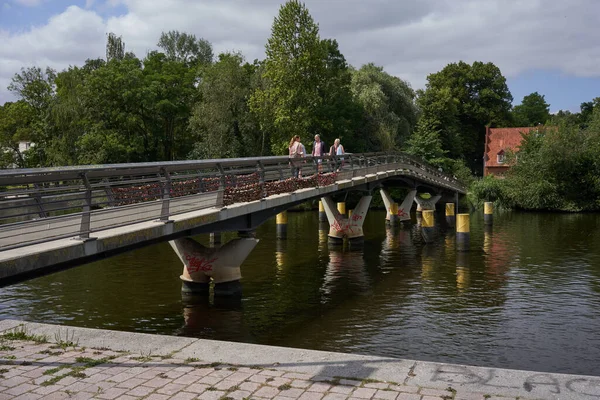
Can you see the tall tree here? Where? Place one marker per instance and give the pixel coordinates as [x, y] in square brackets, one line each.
[221, 119]
[170, 86]
[339, 113]
[294, 70]
[532, 111]
[115, 48]
[389, 111]
[185, 48]
[479, 96]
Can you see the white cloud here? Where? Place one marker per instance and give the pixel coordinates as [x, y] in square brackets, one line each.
[409, 38]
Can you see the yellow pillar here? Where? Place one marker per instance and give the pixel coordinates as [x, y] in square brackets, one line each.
[463, 232]
[341, 206]
[281, 224]
[350, 214]
[428, 226]
[322, 214]
[450, 216]
[394, 218]
[488, 213]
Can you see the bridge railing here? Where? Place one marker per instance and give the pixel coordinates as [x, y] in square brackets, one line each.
[44, 204]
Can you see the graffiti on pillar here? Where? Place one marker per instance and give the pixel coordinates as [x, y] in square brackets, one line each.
[356, 217]
[337, 226]
[203, 264]
[402, 213]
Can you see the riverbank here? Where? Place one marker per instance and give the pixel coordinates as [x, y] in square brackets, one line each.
[54, 362]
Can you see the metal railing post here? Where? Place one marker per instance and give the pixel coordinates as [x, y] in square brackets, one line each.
[37, 197]
[261, 179]
[109, 194]
[84, 229]
[165, 182]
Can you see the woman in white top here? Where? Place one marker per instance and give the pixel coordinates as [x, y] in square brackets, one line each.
[339, 151]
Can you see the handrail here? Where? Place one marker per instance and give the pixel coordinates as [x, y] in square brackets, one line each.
[43, 204]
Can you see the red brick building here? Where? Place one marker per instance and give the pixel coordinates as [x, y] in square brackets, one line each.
[497, 142]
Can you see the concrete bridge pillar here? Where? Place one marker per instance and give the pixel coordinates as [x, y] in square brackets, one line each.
[397, 213]
[341, 227]
[426, 204]
[221, 265]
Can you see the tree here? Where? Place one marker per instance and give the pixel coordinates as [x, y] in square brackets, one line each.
[115, 48]
[16, 120]
[294, 70]
[185, 48]
[479, 97]
[36, 87]
[221, 120]
[170, 89]
[425, 142]
[339, 114]
[532, 111]
[388, 107]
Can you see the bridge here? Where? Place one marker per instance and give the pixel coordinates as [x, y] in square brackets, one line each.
[51, 218]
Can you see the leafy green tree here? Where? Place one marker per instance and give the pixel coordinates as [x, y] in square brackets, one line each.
[185, 48]
[16, 124]
[387, 102]
[532, 111]
[117, 101]
[339, 114]
[221, 119]
[36, 87]
[294, 70]
[425, 142]
[479, 97]
[169, 87]
[115, 48]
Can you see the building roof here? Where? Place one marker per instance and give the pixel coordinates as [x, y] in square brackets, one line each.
[498, 140]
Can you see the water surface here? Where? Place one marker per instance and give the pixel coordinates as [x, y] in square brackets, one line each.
[527, 296]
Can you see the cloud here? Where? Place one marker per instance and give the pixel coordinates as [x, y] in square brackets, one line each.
[409, 38]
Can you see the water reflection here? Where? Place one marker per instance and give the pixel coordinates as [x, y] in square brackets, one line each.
[462, 271]
[220, 316]
[345, 271]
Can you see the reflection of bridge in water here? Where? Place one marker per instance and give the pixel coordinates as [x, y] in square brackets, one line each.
[54, 217]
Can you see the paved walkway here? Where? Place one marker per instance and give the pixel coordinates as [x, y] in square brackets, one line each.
[40, 361]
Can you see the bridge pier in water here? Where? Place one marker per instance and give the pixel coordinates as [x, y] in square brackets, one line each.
[396, 214]
[202, 264]
[350, 228]
[426, 204]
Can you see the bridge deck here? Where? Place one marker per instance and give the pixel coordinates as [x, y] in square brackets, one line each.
[80, 236]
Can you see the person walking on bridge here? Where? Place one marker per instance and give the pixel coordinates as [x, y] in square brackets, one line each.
[337, 150]
[318, 150]
[296, 150]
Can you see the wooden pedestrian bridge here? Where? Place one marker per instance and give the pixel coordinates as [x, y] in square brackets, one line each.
[52, 218]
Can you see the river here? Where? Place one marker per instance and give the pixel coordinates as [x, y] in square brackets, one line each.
[526, 296]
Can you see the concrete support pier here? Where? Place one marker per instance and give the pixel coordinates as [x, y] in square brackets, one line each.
[341, 228]
[221, 265]
[397, 213]
[189, 368]
[426, 204]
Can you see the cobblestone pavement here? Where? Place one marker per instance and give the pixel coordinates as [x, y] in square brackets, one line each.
[32, 370]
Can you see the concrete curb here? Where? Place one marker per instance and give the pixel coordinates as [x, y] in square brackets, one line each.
[329, 365]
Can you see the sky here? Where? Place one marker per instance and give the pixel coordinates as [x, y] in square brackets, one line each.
[548, 46]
